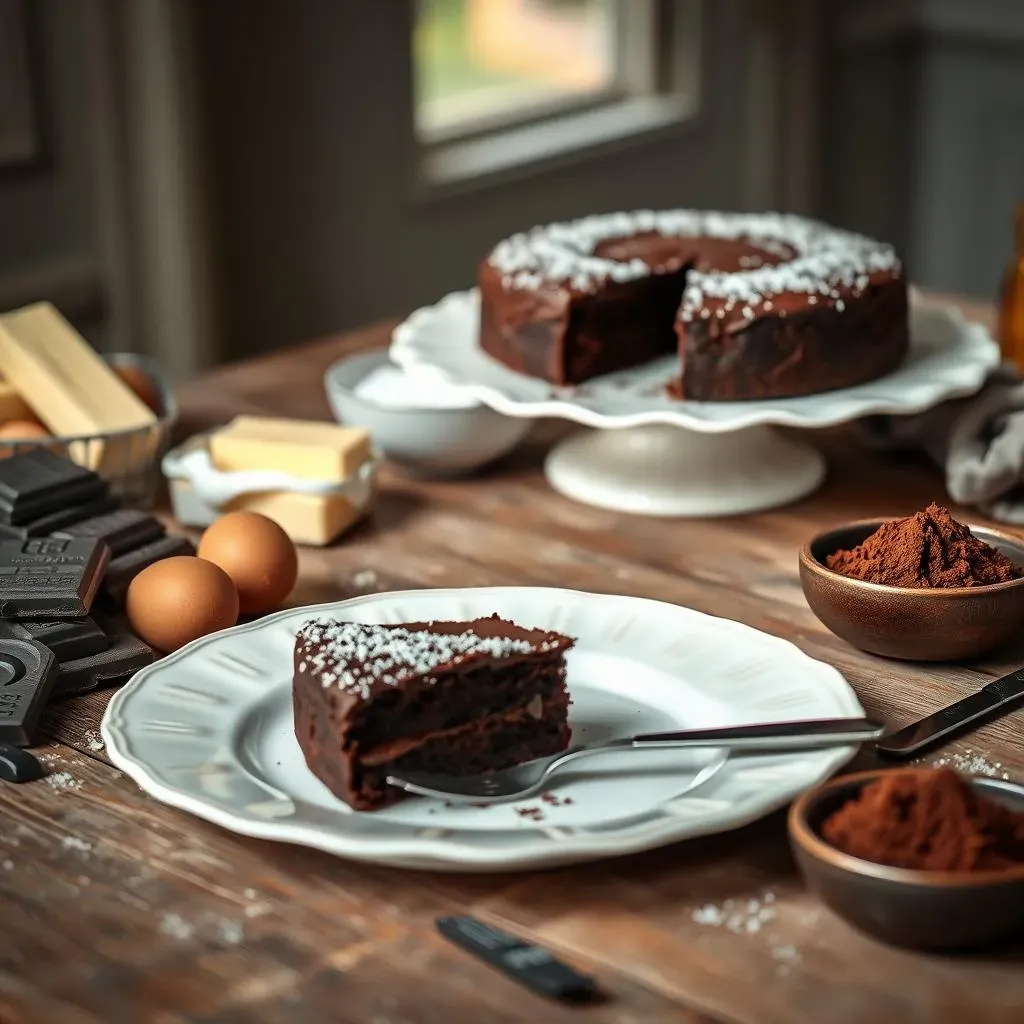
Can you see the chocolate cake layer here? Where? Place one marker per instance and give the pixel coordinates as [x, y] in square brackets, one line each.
[755, 306]
[460, 697]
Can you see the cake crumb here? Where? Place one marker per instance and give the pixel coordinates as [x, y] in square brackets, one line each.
[74, 843]
[531, 813]
[554, 800]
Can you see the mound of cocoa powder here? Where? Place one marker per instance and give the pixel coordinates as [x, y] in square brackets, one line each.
[929, 549]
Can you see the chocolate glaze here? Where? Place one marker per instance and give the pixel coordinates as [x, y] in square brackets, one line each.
[579, 321]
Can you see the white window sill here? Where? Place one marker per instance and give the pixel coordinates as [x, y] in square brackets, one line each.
[467, 165]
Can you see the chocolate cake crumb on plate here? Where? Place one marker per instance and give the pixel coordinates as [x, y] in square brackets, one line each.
[458, 697]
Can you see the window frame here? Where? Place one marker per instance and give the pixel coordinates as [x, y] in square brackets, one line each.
[657, 87]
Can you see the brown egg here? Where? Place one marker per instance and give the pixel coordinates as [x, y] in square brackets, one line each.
[142, 384]
[257, 554]
[20, 430]
[176, 600]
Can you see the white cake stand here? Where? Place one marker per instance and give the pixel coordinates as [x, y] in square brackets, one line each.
[656, 456]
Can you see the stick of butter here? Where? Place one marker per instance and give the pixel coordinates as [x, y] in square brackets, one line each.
[71, 389]
[315, 519]
[308, 449]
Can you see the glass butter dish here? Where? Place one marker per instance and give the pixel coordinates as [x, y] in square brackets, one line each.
[311, 512]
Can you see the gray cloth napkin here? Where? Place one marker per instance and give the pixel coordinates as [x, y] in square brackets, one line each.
[979, 440]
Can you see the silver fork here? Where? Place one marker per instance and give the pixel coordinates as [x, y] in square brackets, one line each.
[526, 779]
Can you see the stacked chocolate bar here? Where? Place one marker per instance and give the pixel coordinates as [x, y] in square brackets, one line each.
[66, 560]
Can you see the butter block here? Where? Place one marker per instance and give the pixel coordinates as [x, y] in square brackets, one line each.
[307, 449]
[12, 405]
[72, 390]
[313, 519]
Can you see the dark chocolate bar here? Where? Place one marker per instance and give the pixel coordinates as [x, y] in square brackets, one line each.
[47, 578]
[123, 569]
[67, 638]
[27, 674]
[117, 664]
[122, 530]
[38, 483]
[45, 525]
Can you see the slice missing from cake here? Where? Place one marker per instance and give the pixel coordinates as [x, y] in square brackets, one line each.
[454, 697]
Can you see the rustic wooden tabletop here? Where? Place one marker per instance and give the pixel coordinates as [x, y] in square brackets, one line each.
[117, 910]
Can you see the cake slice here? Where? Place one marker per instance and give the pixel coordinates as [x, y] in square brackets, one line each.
[455, 697]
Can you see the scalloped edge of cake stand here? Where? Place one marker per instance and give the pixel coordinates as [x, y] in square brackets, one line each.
[669, 471]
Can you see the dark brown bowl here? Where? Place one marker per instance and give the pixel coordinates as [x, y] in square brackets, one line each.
[925, 910]
[948, 624]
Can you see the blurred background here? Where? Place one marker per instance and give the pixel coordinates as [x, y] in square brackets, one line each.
[203, 180]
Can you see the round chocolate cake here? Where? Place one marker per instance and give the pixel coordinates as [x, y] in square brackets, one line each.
[755, 305]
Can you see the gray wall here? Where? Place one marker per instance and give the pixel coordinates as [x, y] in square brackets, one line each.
[925, 133]
[47, 228]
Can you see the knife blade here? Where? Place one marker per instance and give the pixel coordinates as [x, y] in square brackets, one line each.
[998, 696]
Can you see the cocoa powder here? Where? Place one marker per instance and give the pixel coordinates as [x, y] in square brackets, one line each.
[930, 549]
[927, 821]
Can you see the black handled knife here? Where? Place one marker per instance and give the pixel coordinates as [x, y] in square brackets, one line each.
[997, 696]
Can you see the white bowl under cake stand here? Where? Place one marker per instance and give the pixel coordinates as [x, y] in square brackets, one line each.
[656, 456]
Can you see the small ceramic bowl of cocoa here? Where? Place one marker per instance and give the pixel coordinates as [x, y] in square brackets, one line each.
[890, 613]
[957, 910]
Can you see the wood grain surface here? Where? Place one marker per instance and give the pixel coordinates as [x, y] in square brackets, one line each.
[118, 910]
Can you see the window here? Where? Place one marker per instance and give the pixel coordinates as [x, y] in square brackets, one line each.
[485, 70]
[485, 60]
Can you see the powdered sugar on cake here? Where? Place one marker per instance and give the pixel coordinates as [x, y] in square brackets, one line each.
[355, 656]
[828, 263]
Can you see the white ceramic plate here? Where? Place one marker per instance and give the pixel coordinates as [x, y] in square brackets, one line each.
[209, 729]
[949, 357]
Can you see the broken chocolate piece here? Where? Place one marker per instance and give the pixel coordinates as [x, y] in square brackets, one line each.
[123, 569]
[122, 530]
[125, 655]
[38, 483]
[67, 638]
[27, 674]
[47, 578]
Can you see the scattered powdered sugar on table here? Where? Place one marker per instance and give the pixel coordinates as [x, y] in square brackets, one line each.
[738, 915]
[364, 578]
[970, 763]
[222, 930]
[75, 843]
[749, 916]
[177, 927]
[93, 740]
[63, 781]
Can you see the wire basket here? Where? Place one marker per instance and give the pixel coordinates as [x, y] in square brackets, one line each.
[129, 460]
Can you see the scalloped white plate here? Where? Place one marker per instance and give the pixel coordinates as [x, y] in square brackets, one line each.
[209, 730]
[949, 357]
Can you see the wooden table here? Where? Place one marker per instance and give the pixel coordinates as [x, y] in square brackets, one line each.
[118, 910]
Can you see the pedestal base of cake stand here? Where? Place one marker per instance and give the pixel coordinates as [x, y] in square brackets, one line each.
[665, 470]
